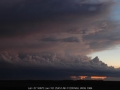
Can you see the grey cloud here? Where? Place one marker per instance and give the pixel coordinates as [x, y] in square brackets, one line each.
[24, 27]
[69, 39]
[49, 66]
[103, 39]
[51, 39]
[22, 18]
[50, 59]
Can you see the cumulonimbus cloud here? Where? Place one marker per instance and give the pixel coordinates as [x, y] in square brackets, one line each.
[72, 65]
[65, 27]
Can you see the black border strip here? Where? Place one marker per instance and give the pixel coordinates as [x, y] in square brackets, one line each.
[58, 85]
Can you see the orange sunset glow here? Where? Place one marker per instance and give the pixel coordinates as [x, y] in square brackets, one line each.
[73, 77]
[82, 77]
[98, 77]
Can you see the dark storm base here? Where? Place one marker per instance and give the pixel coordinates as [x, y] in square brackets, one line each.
[59, 85]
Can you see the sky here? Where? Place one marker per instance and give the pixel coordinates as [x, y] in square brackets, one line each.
[111, 56]
[56, 39]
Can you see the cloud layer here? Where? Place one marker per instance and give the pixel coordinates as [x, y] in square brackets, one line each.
[45, 36]
[39, 66]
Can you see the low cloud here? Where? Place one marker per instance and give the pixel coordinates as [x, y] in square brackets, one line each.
[51, 66]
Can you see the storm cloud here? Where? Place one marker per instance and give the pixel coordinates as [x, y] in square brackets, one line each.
[54, 37]
[29, 24]
[39, 66]
[46, 16]
[69, 39]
